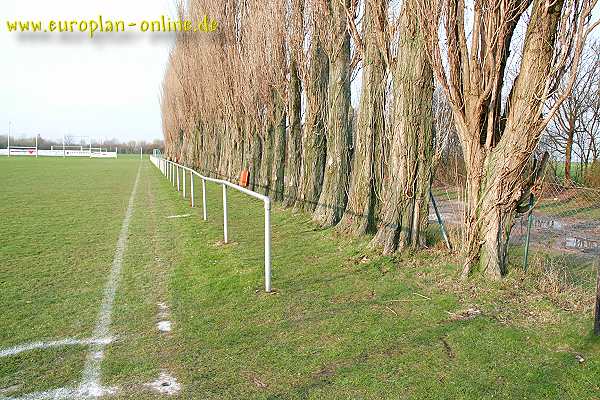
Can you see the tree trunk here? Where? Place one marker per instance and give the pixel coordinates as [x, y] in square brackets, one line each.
[332, 201]
[295, 135]
[313, 159]
[254, 163]
[266, 163]
[294, 106]
[279, 149]
[405, 197]
[568, 155]
[366, 180]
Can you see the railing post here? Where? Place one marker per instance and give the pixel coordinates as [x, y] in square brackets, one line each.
[177, 168]
[204, 211]
[267, 245]
[225, 213]
[183, 176]
[192, 188]
[172, 174]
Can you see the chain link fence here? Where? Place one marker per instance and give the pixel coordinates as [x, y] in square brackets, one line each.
[564, 236]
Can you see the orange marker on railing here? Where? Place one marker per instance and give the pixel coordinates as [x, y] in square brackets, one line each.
[244, 177]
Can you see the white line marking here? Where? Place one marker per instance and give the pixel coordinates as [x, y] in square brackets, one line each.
[164, 326]
[91, 385]
[54, 394]
[165, 384]
[179, 216]
[53, 343]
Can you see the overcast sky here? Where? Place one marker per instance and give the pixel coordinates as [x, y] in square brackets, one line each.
[65, 83]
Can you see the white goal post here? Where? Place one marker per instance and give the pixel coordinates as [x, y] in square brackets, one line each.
[172, 171]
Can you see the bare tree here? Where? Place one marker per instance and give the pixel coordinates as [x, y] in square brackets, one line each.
[574, 122]
[313, 143]
[366, 177]
[405, 196]
[295, 39]
[333, 197]
[499, 133]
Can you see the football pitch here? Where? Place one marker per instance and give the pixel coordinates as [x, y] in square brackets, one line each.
[112, 286]
[76, 235]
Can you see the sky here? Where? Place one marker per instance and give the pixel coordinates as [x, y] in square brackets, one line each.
[66, 83]
[56, 84]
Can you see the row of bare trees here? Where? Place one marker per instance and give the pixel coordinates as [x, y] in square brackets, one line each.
[271, 92]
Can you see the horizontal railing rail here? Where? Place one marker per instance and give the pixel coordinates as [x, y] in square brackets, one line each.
[172, 171]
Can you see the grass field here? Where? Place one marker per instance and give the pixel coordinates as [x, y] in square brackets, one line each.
[343, 322]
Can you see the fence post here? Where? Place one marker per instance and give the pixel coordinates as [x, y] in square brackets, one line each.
[267, 245]
[440, 222]
[192, 188]
[183, 176]
[204, 211]
[597, 310]
[177, 168]
[529, 222]
[225, 213]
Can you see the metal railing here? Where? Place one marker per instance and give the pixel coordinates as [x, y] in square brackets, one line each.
[172, 171]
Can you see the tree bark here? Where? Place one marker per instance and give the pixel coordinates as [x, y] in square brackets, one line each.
[279, 150]
[266, 163]
[365, 181]
[405, 197]
[255, 161]
[313, 159]
[294, 105]
[332, 201]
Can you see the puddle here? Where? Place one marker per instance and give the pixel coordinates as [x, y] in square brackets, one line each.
[165, 384]
[179, 216]
[586, 245]
[545, 223]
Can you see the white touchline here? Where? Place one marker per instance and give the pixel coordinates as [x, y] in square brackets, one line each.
[91, 385]
[11, 351]
[54, 394]
[179, 216]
